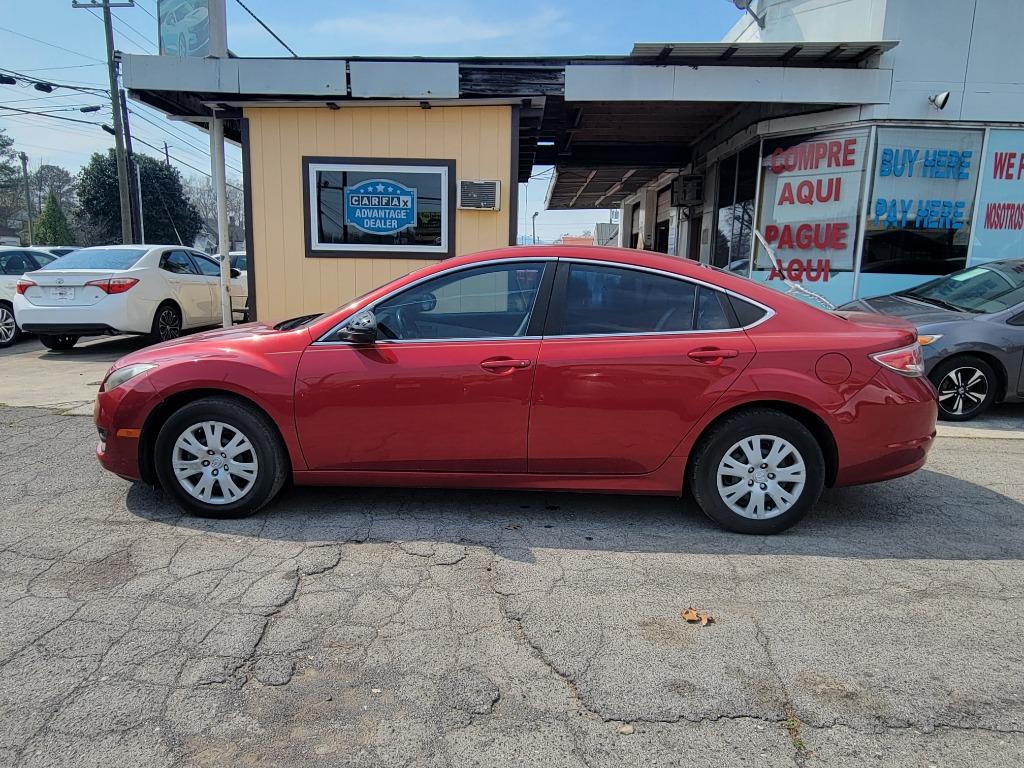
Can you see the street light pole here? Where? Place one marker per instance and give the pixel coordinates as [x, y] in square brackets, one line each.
[535, 227]
[115, 107]
[28, 196]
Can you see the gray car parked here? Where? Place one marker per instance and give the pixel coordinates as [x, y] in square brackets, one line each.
[971, 327]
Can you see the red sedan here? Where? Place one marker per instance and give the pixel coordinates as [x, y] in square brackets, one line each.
[557, 368]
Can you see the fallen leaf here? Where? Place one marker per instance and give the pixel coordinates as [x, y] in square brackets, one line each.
[693, 617]
[690, 614]
[706, 618]
[626, 730]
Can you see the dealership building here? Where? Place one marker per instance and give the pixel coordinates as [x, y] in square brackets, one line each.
[874, 144]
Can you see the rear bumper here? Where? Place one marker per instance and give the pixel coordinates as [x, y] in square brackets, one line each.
[886, 429]
[118, 313]
[69, 329]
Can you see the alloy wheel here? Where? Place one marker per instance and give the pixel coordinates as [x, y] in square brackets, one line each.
[214, 462]
[962, 390]
[761, 477]
[8, 328]
[168, 324]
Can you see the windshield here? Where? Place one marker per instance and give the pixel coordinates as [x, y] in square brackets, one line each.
[983, 290]
[98, 258]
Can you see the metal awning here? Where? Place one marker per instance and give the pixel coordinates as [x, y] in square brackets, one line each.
[796, 53]
[603, 187]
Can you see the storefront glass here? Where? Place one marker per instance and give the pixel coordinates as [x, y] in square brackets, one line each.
[737, 185]
[810, 202]
[998, 231]
[920, 210]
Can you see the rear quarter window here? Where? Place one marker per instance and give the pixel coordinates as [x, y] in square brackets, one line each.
[746, 313]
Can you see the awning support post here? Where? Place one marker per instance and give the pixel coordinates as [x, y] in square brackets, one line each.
[223, 234]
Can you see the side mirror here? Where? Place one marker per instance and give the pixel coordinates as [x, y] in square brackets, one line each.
[235, 272]
[361, 328]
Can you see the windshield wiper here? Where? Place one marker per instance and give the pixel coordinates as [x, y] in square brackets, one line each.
[934, 302]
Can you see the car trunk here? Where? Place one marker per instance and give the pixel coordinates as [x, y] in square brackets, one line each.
[67, 288]
[885, 327]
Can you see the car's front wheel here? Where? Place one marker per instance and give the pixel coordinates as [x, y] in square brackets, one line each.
[9, 331]
[220, 457]
[967, 387]
[58, 343]
[757, 471]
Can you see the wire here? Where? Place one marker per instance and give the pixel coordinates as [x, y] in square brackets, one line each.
[272, 32]
[51, 45]
[141, 34]
[29, 78]
[55, 117]
[149, 13]
[177, 137]
[145, 46]
[182, 162]
[70, 66]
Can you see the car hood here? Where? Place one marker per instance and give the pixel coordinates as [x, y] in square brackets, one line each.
[215, 343]
[910, 310]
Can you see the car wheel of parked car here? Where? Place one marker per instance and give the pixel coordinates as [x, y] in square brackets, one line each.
[967, 387]
[9, 331]
[757, 471]
[166, 323]
[58, 343]
[219, 457]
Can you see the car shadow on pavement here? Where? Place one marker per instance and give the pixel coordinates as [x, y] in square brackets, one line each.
[928, 515]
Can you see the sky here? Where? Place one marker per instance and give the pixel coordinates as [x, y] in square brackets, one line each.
[48, 39]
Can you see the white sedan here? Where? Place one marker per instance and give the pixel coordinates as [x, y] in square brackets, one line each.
[15, 262]
[142, 289]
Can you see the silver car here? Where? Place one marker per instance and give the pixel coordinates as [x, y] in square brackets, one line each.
[971, 326]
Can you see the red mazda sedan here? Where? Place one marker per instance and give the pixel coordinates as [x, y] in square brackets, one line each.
[556, 368]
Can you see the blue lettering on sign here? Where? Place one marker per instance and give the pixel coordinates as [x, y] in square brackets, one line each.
[929, 214]
[380, 207]
[935, 163]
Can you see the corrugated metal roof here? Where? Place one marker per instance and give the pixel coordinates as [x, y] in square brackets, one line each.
[800, 52]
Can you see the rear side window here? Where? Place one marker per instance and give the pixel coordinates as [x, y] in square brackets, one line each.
[602, 300]
[15, 263]
[98, 258]
[713, 310]
[746, 313]
[178, 263]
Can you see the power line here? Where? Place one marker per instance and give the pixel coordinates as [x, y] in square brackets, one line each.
[138, 4]
[51, 45]
[55, 117]
[182, 162]
[136, 30]
[182, 138]
[69, 66]
[145, 46]
[29, 78]
[263, 24]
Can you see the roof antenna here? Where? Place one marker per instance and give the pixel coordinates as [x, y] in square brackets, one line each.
[793, 287]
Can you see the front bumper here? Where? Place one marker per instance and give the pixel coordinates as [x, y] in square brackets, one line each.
[120, 415]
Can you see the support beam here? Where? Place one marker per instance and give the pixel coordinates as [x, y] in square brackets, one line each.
[599, 155]
[223, 234]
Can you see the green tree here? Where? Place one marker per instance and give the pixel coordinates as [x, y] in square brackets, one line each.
[52, 228]
[167, 213]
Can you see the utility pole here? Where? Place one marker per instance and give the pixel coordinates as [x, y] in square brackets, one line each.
[133, 174]
[167, 155]
[28, 196]
[535, 227]
[115, 108]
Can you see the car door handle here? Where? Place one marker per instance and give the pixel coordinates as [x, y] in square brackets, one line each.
[501, 364]
[712, 355]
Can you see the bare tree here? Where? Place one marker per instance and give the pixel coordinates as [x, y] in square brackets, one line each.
[203, 196]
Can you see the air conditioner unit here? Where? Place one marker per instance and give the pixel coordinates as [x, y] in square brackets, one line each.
[688, 190]
[479, 195]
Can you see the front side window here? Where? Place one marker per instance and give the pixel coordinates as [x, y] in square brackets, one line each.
[385, 207]
[494, 301]
[206, 266]
[178, 263]
[15, 263]
[603, 300]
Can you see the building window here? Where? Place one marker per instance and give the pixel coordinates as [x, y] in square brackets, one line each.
[810, 204]
[922, 200]
[737, 185]
[359, 207]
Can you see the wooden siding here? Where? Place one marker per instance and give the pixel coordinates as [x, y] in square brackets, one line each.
[287, 283]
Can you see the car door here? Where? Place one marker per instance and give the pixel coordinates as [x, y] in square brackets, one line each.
[188, 288]
[446, 388]
[13, 264]
[210, 270]
[631, 360]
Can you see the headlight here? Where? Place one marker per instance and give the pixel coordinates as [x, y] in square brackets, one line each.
[121, 375]
[928, 338]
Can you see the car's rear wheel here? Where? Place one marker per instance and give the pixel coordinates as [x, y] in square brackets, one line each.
[166, 323]
[58, 343]
[9, 331]
[967, 387]
[219, 457]
[758, 471]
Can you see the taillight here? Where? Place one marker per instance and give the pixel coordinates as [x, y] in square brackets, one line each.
[906, 361]
[24, 284]
[114, 284]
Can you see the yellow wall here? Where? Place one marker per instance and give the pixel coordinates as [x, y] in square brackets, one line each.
[287, 283]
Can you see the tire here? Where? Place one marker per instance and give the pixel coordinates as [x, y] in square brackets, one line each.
[58, 343]
[9, 331]
[967, 387]
[720, 454]
[261, 453]
[166, 323]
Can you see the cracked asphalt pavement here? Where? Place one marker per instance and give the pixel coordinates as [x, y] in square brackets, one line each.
[373, 627]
